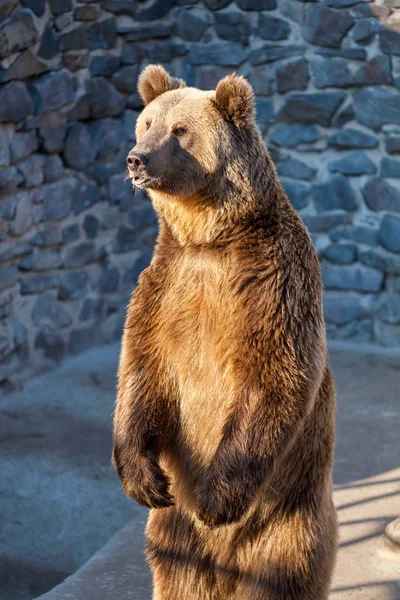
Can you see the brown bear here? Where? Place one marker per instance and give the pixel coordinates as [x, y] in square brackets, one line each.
[224, 422]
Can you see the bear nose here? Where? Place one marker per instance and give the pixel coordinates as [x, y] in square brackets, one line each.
[136, 161]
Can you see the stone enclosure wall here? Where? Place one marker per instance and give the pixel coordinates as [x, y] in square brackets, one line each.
[74, 237]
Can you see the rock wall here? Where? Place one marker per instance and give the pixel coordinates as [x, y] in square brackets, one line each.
[74, 237]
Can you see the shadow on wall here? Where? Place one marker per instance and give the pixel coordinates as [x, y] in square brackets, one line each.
[73, 237]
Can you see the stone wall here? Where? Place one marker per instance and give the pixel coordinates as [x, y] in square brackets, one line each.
[74, 237]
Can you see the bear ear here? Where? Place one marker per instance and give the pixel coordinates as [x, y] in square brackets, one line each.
[234, 97]
[154, 81]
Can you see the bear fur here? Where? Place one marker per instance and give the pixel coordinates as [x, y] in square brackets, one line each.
[224, 421]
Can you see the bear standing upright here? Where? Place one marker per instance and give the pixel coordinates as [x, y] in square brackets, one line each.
[224, 421]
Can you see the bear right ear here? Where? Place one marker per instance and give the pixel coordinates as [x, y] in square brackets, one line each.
[234, 97]
[154, 81]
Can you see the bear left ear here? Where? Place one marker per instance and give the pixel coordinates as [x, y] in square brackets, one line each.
[234, 96]
[154, 81]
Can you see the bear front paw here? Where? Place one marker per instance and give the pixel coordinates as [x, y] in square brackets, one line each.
[143, 480]
[219, 506]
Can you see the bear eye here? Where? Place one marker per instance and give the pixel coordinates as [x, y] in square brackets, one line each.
[148, 125]
[179, 131]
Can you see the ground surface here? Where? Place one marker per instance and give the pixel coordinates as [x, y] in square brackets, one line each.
[60, 500]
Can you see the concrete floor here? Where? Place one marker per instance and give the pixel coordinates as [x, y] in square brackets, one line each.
[60, 499]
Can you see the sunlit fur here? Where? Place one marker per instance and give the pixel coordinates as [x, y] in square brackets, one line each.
[224, 421]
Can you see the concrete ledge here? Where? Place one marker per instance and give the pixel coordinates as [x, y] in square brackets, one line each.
[118, 570]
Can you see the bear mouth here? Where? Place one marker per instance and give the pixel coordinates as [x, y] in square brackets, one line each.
[139, 180]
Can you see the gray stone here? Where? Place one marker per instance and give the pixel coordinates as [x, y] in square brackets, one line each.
[127, 239]
[15, 251]
[256, 4]
[349, 53]
[349, 138]
[10, 178]
[107, 137]
[295, 168]
[85, 194]
[15, 102]
[342, 308]
[387, 335]
[272, 52]
[216, 4]
[380, 195]
[105, 64]
[264, 111]
[91, 226]
[85, 338]
[125, 80]
[92, 309]
[4, 148]
[52, 91]
[389, 41]
[74, 38]
[330, 72]
[120, 191]
[298, 193]
[88, 12]
[164, 51]
[57, 199]
[104, 99]
[341, 254]
[261, 81]
[191, 25]
[375, 71]
[271, 28]
[142, 262]
[5, 306]
[335, 193]
[378, 260]
[47, 309]
[226, 54]
[25, 65]
[108, 281]
[127, 7]
[52, 128]
[79, 150]
[7, 208]
[80, 255]
[232, 26]
[292, 76]
[343, 116]
[142, 216]
[364, 30]
[154, 9]
[311, 107]
[8, 276]
[393, 144]
[38, 283]
[22, 145]
[31, 170]
[134, 32]
[356, 278]
[102, 34]
[389, 233]
[17, 33]
[7, 6]
[42, 260]
[293, 135]
[24, 216]
[73, 285]
[376, 106]
[51, 342]
[389, 308]
[341, 3]
[358, 331]
[354, 163]
[390, 167]
[49, 235]
[70, 233]
[59, 7]
[325, 27]
[36, 6]
[49, 43]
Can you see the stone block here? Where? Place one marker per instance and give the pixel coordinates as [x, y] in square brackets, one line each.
[57, 199]
[52, 91]
[264, 111]
[102, 34]
[52, 129]
[24, 214]
[5, 306]
[49, 235]
[25, 65]
[387, 335]
[330, 72]
[316, 108]
[10, 178]
[23, 144]
[15, 101]
[216, 4]
[389, 308]
[83, 339]
[342, 308]
[298, 193]
[70, 234]
[292, 76]
[297, 169]
[191, 25]
[31, 170]
[380, 195]
[272, 52]
[353, 163]
[356, 278]
[73, 285]
[17, 33]
[53, 168]
[390, 167]
[125, 80]
[392, 144]
[333, 194]
[364, 31]
[36, 6]
[271, 28]
[290, 136]
[261, 80]
[87, 12]
[38, 283]
[50, 341]
[104, 100]
[41, 260]
[8, 276]
[58, 7]
[389, 40]
[349, 138]
[92, 309]
[127, 7]
[84, 253]
[84, 195]
[75, 37]
[379, 260]
[91, 226]
[256, 4]
[154, 9]
[389, 233]
[375, 71]
[79, 149]
[323, 26]
[376, 106]
[105, 64]
[47, 309]
[341, 254]
[226, 54]
[108, 281]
